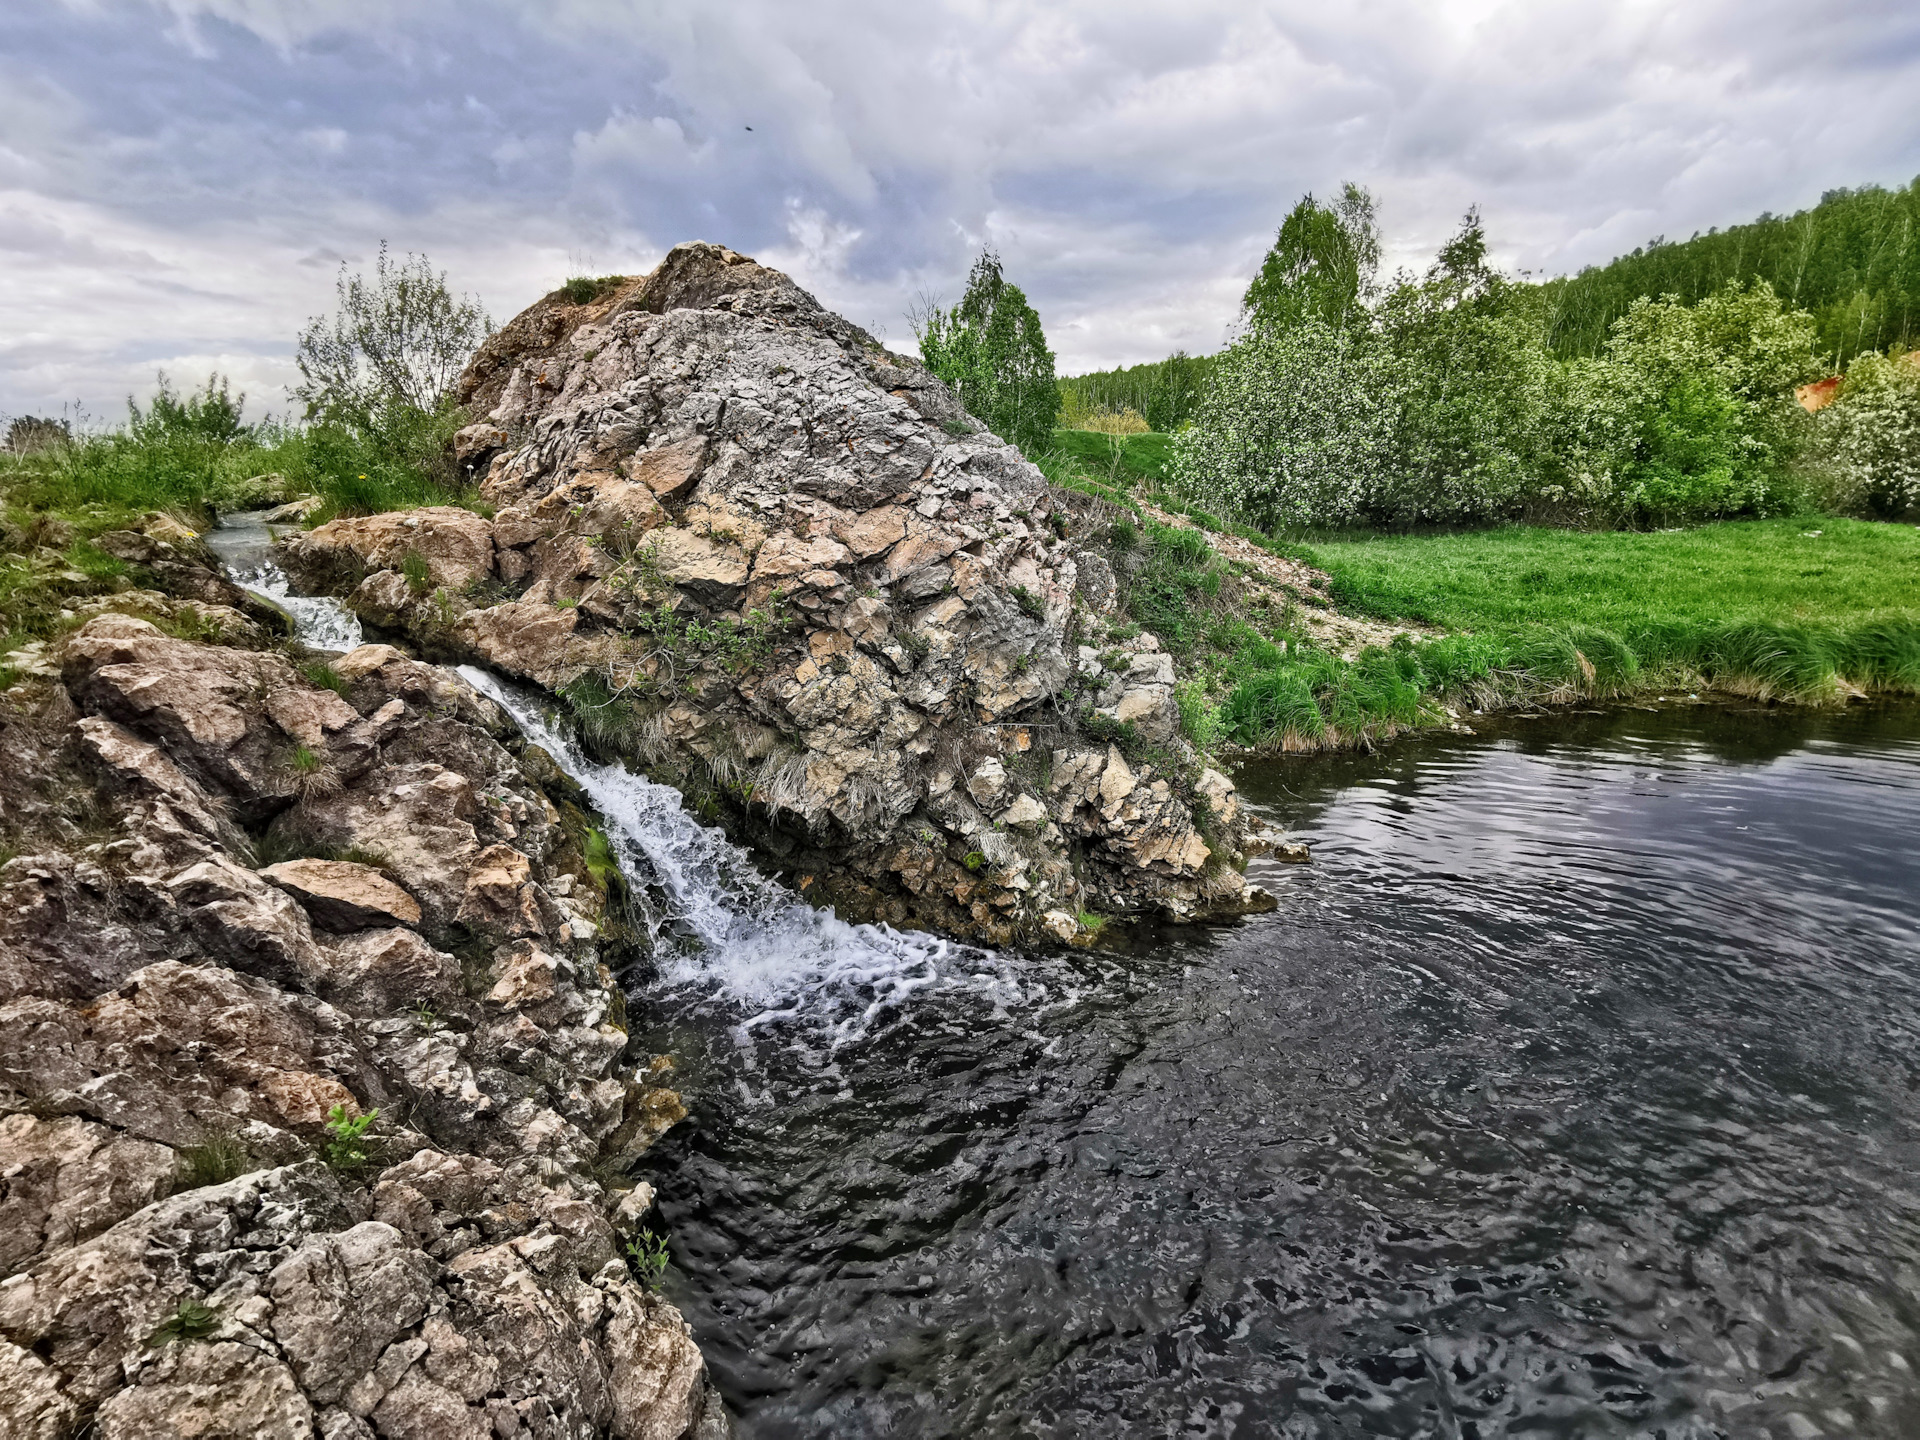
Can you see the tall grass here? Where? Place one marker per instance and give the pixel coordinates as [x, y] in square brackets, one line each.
[142, 466]
[1300, 698]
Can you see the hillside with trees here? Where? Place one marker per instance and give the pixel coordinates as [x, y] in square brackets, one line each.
[1852, 262]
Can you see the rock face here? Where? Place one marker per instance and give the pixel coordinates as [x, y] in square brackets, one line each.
[779, 565]
[186, 1246]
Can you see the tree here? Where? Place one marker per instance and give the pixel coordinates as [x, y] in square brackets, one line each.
[1472, 380]
[1296, 427]
[1175, 393]
[396, 344]
[1321, 265]
[991, 350]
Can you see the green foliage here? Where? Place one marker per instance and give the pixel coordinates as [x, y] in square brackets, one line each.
[1200, 718]
[647, 1257]
[1297, 427]
[991, 350]
[210, 416]
[1471, 388]
[1866, 444]
[346, 1135]
[1321, 265]
[584, 290]
[190, 1321]
[1175, 395]
[418, 572]
[1444, 404]
[1167, 392]
[220, 1159]
[324, 677]
[395, 342]
[975, 860]
[1030, 604]
[304, 761]
[1852, 261]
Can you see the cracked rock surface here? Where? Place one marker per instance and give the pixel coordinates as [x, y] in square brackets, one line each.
[185, 1247]
[790, 575]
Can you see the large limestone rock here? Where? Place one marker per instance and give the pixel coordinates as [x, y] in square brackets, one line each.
[345, 896]
[171, 1015]
[824, 594]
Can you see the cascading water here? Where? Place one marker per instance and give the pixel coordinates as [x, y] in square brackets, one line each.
[244, 544]
[726, 929]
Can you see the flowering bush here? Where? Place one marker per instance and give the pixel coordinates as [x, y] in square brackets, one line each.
[1867, 443]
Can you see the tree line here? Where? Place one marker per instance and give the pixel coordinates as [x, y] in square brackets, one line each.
[1852, 262]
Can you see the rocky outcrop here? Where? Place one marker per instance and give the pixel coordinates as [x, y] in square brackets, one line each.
[290, 907]
[778, 564]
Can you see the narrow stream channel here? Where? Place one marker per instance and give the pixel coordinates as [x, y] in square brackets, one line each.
[1573, 1090]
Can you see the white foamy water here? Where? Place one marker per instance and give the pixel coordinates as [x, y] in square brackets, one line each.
[318, 620]
[726, 929]
[243, 542]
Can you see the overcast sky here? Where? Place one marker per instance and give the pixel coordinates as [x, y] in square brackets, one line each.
[180, 180]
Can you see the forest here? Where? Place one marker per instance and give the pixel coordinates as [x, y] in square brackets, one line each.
[1658, 389]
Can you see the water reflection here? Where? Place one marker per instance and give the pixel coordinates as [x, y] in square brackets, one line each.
[1570, 1092]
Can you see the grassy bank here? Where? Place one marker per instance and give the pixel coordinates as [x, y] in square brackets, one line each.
[1799, 610]
[190, 461]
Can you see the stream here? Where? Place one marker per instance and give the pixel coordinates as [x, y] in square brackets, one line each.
[1571, 1091]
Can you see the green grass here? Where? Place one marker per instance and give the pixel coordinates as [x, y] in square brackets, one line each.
[1771, 571]
[1763, 608]
[1124, 458]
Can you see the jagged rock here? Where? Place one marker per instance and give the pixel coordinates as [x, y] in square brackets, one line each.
[158, 996]
[455, 545]
[344, 896]
[865, 589]
[65, 1179]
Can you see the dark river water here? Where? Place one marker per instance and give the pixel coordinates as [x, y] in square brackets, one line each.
[1570, 1092]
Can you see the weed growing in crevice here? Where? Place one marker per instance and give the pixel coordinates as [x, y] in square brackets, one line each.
[190, 1321]
[345, 1148]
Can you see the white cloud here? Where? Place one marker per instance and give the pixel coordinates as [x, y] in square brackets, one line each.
[185, 175]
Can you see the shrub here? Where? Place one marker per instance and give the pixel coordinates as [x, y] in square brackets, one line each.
[1866, 444]
[1296, 427]
[346, 1134]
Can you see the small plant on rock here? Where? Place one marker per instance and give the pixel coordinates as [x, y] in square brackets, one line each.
[975, 860]
[1029, 602]
[346, 1134]
[220, 1159]
[419, 573]
[323, 676]
[647, 1256]
[190, 1321]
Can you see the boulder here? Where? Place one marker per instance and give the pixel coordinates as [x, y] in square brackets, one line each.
[698, 476]
[343, 896]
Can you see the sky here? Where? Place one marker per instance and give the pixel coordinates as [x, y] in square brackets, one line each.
[181, 180]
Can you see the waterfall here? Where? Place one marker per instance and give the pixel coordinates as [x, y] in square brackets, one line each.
[721, 927]
[243, 543]
[318, 620]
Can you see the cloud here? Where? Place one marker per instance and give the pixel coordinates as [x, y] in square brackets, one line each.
[182, 178]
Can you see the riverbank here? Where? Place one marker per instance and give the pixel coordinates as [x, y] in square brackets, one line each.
[1345, 641]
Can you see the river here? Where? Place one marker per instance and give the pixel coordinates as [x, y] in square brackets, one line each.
[1572, 1090]
[1569, 1092]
